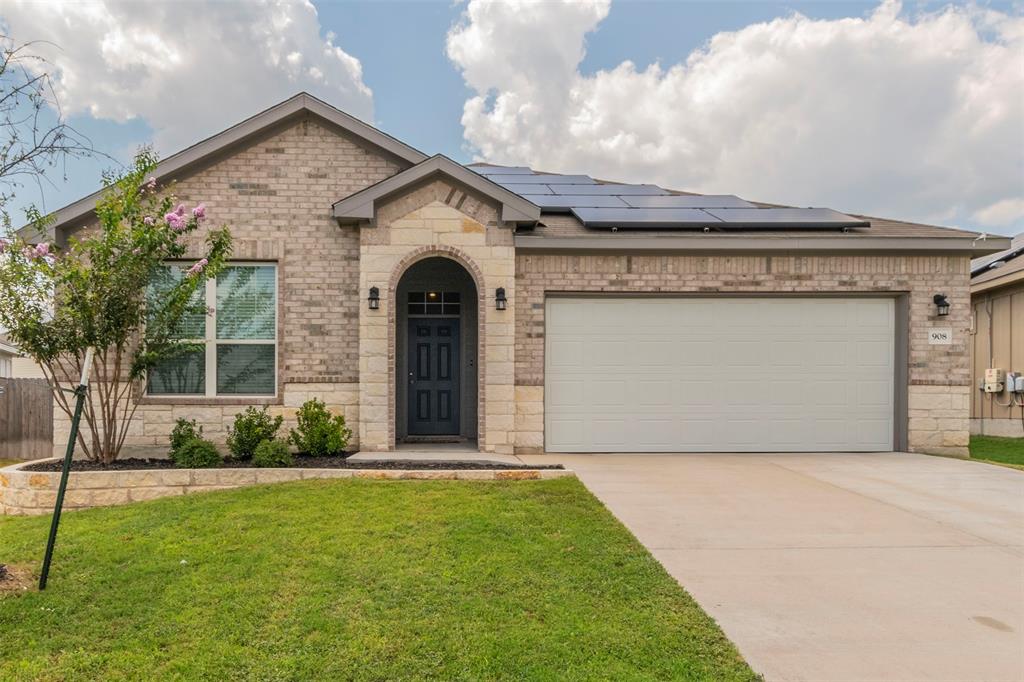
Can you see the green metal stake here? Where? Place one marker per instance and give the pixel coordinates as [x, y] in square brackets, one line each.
[80, 391]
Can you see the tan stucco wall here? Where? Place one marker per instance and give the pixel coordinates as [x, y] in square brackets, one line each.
[939, 376]
[437, 219]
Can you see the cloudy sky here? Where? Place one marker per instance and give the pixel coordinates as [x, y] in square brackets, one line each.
[912, 110]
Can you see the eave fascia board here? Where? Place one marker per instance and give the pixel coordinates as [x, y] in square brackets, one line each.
[514, 208]
[758, 244]
[175, 165]
[1007, 280]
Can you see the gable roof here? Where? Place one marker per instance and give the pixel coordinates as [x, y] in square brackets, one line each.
[292, 109]
[361, 205]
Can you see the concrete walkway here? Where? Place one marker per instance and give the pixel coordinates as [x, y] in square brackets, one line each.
[837, 566]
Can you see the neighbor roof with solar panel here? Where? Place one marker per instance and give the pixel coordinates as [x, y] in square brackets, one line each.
[605, 205]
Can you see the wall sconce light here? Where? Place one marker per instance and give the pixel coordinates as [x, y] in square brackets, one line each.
[374, 298]
[500, 302]
[941, 305]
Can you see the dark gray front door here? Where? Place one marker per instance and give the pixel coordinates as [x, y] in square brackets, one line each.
[433, 376]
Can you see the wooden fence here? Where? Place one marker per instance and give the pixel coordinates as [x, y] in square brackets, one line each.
[26, 419]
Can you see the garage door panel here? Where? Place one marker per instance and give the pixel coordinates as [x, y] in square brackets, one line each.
[685, 374]
[874, 353]
[606, 393]
[741, 353]
[566, 394]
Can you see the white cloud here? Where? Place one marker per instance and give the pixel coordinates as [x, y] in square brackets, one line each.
[188, 69]
[917, 117]
[1003, 212]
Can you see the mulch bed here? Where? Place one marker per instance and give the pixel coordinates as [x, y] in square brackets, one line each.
[15, 579]
[301, 462]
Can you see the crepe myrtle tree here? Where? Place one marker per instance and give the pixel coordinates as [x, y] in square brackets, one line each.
[115, 289]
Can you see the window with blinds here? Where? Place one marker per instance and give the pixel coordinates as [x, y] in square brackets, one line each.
[232, 351]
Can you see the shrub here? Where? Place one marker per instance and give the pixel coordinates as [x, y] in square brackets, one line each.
[184, 430]
[251, 428]
[272, 453]
[319, 433]
[197, 454]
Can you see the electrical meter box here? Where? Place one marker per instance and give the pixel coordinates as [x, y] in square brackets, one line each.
[995, 380]
[1018, 384]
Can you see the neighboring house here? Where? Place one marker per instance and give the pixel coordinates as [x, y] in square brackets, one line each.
[524, 311]
[15, 365]
[7, 353]
[997, 301]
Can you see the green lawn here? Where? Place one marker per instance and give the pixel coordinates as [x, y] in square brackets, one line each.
[351, 579]
[1001, 450]
[6, 462]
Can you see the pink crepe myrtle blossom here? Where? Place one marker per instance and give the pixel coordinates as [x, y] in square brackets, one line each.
[148, 220]
[175, 221]
[180, 209]
[199, 212]
[38, 251]
[197, 268]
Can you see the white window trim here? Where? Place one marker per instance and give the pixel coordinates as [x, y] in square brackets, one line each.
[210, 342]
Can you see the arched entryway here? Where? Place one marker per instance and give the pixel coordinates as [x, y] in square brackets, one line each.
[436, 353]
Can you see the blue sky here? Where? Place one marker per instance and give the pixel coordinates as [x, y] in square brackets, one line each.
[420, 87]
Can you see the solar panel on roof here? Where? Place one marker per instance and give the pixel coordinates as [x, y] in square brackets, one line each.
[684, 201]
[568, 201]
[644, 217]
[526, 190]
[502, 170]
[509, 179]
[607, 190]
[785, 217]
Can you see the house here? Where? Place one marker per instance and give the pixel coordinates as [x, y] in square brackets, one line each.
[525, 311]
[997, 339]
[14, 364]
[7, 352]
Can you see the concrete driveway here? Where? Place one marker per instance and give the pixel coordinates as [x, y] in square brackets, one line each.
[837, 566]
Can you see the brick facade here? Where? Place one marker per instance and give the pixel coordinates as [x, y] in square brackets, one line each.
[275, 195]
[939, 376]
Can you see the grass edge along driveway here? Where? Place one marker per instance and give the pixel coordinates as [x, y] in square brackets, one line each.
[1006, 451]
[349, 579]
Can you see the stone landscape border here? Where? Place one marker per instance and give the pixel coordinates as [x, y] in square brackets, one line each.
[35, 492]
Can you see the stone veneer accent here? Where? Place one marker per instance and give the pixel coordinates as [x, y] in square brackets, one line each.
[939, 376]
[437, 219]
[34, 492]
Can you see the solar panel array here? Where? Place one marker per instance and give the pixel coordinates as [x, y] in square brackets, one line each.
[614, 205]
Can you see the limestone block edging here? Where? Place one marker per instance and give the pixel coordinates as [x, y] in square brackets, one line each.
[35, 492]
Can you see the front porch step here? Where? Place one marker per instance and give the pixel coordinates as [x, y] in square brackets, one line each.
[435, 439]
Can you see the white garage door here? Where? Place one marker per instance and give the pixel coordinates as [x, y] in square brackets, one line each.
[719, 374]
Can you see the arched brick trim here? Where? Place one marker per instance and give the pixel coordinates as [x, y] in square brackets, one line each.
[460, 257]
